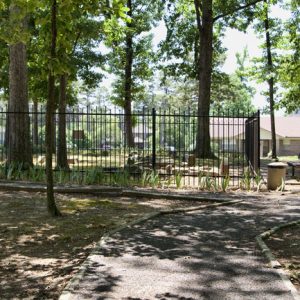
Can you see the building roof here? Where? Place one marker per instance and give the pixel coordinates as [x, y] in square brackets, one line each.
[288, 127]
[226, 127]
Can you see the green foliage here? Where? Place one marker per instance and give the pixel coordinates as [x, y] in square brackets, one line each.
[144, 15]
[208, 182]
[77, 177]
[289, 71]
[201, 181]
[18, 171]
[80, 27]
[258, 181]
[13, 23]
[154, 179]
[61, 176]
[37, 174]
[4, 68]
[146, 178]
[246, 181]
[205, 182]
[284, 36]
[150, 178]
[225, 183]
[172, 92]
[78, 35]
[230, 96]
[179, 52]
[94, 176]
[121, 178]
[14, 171]
[215, 185]
[178, 179]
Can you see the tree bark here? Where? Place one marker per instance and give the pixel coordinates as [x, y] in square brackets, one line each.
[6, 136]
[270, 68]
[205, 22]
[54, 131]
[35, 134]
[19, 143]
[52, 208]
[128, 81]
[205, 28]
[62, 158]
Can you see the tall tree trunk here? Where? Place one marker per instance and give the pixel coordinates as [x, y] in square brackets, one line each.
[35, 122]
[128, 81]
[6, 136]
[52, 208]
[270, 68]
[54, 131]
[62, 159]
[205, 27]
[19, 143]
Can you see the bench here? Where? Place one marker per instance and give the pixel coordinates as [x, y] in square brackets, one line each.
[294, 165]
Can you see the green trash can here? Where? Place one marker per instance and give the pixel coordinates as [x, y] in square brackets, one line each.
[276, 174]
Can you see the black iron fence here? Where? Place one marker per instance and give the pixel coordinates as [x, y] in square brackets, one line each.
[163, 150]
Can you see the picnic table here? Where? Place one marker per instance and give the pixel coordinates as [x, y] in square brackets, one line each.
[294, 164]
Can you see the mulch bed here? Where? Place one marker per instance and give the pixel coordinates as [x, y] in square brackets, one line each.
[285, 245]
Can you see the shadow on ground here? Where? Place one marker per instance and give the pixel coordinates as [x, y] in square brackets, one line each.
[208, 254]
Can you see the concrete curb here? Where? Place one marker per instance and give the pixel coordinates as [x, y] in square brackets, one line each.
[149, 194]
[109, 191]
[272, 260]
[71, 286]
[33, 187]
[195, 208]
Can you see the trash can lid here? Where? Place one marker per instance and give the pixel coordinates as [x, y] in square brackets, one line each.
[277, 165]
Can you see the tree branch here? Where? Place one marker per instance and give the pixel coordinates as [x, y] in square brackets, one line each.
[241, 7]
[107, 12]
[76, 42]
[198, 13]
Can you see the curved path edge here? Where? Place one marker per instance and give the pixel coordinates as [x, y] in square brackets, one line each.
[70, 287]
[274, 263]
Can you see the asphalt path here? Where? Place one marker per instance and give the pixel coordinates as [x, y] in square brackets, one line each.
[210, 254]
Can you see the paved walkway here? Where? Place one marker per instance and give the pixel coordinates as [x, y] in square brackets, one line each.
[208, 254]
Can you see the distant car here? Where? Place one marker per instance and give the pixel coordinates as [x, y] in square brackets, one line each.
[106, 147]
[171, 150]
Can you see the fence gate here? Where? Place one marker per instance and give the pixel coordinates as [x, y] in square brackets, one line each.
[252, 142]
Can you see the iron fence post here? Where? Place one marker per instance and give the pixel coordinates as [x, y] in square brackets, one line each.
[153, 138]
